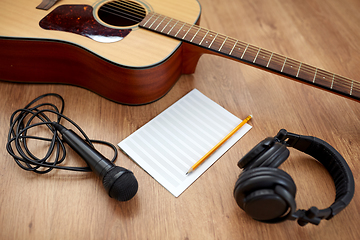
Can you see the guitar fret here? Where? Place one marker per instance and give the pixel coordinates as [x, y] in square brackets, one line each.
[282, 69]
[297, 75]
[173, 27]
[148, 20]
[267, 65]
[250, 54]
[204, 37]
[195, 34]
[263, 57]
[187, 32]
[315, 75]
[179, 30]
[343, 85]
[222, 44]
[166, 25]
[307, 73]
[322, 78]
[244, 51]
[213, 41]
[160, 23]
[285, 65]
[185, 29]
[233, 47]
[256, 55]
[154, 21]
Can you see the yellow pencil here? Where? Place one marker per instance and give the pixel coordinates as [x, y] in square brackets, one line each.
[219, 144]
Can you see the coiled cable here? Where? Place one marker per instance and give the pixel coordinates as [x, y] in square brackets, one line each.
[36, 115]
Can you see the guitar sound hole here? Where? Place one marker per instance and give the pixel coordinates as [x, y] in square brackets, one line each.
[122, 13]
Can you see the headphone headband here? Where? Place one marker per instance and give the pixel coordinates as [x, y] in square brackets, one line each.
[335, 165]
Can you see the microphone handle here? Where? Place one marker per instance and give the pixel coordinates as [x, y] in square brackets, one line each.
[97, 162]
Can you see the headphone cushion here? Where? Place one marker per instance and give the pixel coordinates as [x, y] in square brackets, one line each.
[264, 205]
[268, 153]
[259, 179]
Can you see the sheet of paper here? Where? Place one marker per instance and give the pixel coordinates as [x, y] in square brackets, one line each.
[168, 145]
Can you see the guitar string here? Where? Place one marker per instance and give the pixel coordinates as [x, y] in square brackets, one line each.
[331, 78]
[127, 6]
[250, 49]
[127, 13]
[118, 15]
[320, 73]
[291, 63]
[133, 4]
[122, 13]
[277, 58]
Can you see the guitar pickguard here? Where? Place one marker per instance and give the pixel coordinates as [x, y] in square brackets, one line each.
[79, 19]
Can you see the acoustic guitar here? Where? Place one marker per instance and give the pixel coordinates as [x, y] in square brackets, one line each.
[129, 51]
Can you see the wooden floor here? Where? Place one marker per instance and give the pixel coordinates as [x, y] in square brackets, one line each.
[68, 205]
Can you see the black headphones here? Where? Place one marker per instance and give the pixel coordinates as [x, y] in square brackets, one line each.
[267, 193]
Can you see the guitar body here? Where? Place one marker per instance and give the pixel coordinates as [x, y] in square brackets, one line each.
[129, 51]
[139, 68]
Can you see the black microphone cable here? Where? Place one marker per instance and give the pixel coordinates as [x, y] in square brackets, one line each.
[35, 115]
[21, 121]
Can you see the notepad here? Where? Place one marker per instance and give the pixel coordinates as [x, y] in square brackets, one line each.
[168, 145]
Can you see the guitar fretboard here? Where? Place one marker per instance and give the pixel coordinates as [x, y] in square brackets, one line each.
[248, 53]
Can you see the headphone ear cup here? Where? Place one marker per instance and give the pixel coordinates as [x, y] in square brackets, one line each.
[273, 157]
[268, 153]
[255, 152]
[266, 194]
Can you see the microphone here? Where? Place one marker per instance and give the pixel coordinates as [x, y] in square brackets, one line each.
[119, 182]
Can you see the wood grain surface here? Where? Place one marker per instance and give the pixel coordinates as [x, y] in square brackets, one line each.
[70, 205]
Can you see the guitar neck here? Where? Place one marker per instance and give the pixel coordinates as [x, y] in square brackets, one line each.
[250, 54]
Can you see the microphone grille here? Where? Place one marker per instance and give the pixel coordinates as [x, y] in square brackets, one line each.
[120, 183]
